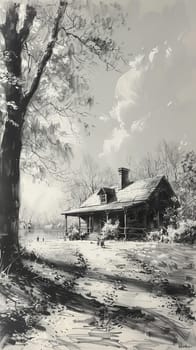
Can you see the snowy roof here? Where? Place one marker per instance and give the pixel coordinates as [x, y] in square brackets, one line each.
[100, 207]
[137, 191]
[108, 190]
[133, 194]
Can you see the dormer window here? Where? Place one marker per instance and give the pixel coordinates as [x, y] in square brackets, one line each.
[103, 198]
[106, 195]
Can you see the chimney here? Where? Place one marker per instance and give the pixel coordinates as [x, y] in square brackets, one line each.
[123, 177]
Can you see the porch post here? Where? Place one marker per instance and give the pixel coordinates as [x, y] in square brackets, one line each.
[89, 224]
[66, 225]
[79, 224]
[145, 217]
[125, 223]
[158, 219]
[107, 216]
[92, 223]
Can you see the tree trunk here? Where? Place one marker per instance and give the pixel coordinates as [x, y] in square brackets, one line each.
[11, 147]
[11, 142]
[10, 191]
[17, 103]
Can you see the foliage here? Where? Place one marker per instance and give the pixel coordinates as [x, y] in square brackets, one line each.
[46, 54]
[184, 233]
[164, 235]
[109, 230]
[180, 169]
[73, 232]
[187, 186]
[171, 217]
[60, 107]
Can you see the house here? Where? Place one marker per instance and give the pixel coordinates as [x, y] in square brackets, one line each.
[139, 206]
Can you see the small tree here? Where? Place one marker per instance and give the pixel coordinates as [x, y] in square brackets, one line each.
[169, 159]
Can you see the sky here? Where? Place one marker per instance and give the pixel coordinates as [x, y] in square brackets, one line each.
[154, 99]
[151, 99]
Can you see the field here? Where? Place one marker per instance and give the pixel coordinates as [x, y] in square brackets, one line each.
[127, 295]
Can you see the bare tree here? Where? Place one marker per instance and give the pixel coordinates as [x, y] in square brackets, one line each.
[88, 178]
[170, 156]
[165, 160]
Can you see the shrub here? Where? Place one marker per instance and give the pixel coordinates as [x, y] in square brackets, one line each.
[186, 233]
[163, 235]
[109, 230]
[73, 233]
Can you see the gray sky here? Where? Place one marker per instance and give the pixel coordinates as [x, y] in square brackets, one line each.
[155, 98]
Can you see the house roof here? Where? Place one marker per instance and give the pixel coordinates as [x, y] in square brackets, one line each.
[106, 190]
[134, 194]
[101, 207]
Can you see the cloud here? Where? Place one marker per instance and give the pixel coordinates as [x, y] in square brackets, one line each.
[114, 143]
[128, 89]
[153, 53]
[128, 85]
[168, 52]
[161, 80]
[104, 118]
[120, 109]
[139, 125]
[137, 61]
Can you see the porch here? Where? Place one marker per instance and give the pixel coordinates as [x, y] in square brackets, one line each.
[133, 220]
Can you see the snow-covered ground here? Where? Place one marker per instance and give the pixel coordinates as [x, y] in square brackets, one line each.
[155, 277]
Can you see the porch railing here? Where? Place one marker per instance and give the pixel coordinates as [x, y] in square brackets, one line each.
[131, 230]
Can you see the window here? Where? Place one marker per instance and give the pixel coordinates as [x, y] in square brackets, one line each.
[163, 196]
[103, 198]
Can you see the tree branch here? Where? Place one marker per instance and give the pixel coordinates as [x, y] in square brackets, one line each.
[95, 45]
[48, 52]
[28, 22]
[11, 20]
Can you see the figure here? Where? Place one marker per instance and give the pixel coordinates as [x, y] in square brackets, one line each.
[29, 226]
